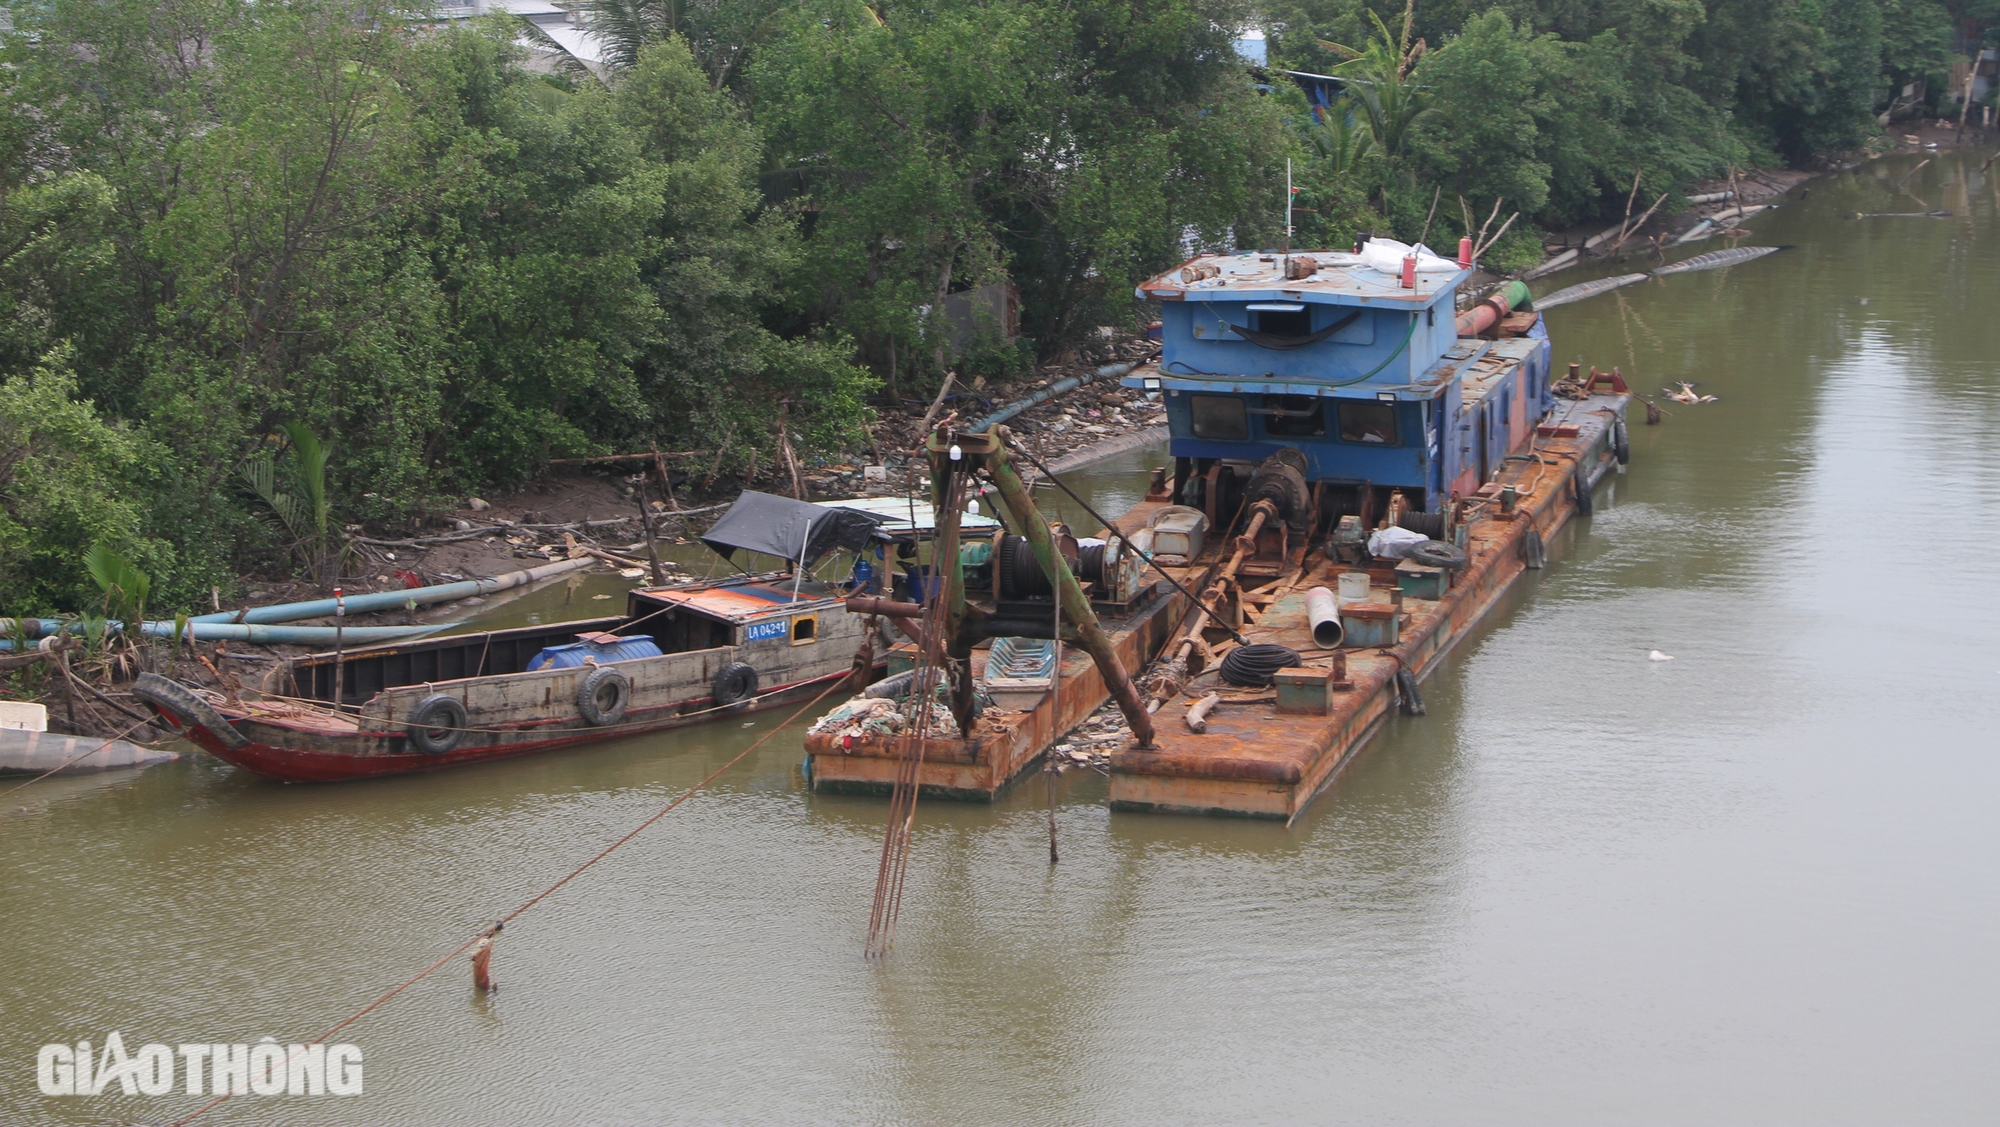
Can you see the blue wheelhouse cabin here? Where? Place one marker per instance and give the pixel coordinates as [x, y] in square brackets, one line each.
[1367, 380]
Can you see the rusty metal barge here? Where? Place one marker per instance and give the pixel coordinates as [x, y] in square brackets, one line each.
[1360, 469]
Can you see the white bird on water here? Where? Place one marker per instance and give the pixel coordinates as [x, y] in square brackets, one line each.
[1658, 656]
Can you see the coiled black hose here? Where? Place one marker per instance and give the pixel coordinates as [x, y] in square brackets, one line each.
[1254, 665]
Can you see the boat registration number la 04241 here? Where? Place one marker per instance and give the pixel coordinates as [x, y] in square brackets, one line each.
[759, 631]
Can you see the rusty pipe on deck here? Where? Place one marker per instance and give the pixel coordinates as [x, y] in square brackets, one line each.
[1212, 597]
[887, 608]
[906, 616]
[1069, 593]
[1192, 636]
[1488, 312]
[1260, 514]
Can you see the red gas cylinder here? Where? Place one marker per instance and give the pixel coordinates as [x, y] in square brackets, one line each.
[1409, 271]
[1465, 252]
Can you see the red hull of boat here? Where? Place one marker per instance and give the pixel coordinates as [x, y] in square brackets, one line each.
[304, 765]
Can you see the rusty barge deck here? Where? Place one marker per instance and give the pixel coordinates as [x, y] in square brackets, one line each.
[1005, 742]
[1259, 759]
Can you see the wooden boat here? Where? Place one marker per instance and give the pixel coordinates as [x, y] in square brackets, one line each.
[678, 655]
[1318, 416]
[35, 753]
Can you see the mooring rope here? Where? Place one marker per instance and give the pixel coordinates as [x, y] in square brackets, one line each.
[544, 894]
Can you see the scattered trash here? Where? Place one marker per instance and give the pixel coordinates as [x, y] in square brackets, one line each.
[1686, 394]
[476, 505]
[867, 715]
[1658, 656]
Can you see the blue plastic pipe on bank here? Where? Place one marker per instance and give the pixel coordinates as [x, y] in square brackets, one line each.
[253, 625]
[235, 632]
[396, 600]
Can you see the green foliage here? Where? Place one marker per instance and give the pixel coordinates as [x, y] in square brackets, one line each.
[220, 219]
[64, 491]
[1339, 141]
[1916, 40]
[1487, 87]
[1069, 146]
[1378, 81]
[125, 587]
[297, 496]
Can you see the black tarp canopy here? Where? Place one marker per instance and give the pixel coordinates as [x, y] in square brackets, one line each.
[788, 529]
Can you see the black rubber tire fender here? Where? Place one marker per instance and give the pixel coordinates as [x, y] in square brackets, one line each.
[1406, 688]
[185, 707]
[1585, 503]
[1437, 553]
[602, 697]
[1621, 442]
[734, 683]
[1534, 553]
[437, 724]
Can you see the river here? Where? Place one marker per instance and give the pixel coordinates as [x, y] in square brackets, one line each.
[1753, 884]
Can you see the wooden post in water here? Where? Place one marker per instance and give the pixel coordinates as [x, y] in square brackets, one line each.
[482, 960]
[339, 644]
[646, 520]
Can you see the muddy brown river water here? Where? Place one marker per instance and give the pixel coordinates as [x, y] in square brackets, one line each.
[1754, 884]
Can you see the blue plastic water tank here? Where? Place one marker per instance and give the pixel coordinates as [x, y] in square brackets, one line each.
[572, 655]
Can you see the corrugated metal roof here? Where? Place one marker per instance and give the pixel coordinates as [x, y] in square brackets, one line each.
[905, 515]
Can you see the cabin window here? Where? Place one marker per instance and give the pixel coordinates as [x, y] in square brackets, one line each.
[1285, 323]
[805, 629]
[1219, 416]
[1368, 421]
[1294, 416]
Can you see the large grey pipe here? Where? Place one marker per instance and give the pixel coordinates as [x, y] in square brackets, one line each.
[233, 625]
[1107, 372]
[1323, 611]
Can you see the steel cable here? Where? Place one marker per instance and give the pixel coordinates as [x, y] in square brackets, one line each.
[1254, 665]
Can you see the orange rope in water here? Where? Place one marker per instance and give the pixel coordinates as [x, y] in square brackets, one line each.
[536, 899]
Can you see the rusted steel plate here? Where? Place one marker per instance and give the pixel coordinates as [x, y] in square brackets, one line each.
[1005, 743]
[1250, 749]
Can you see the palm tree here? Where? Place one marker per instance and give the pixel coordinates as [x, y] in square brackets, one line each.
[624, 28]
[297, 495]
[719, 34]
[1378, 78]
[1339, 138]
